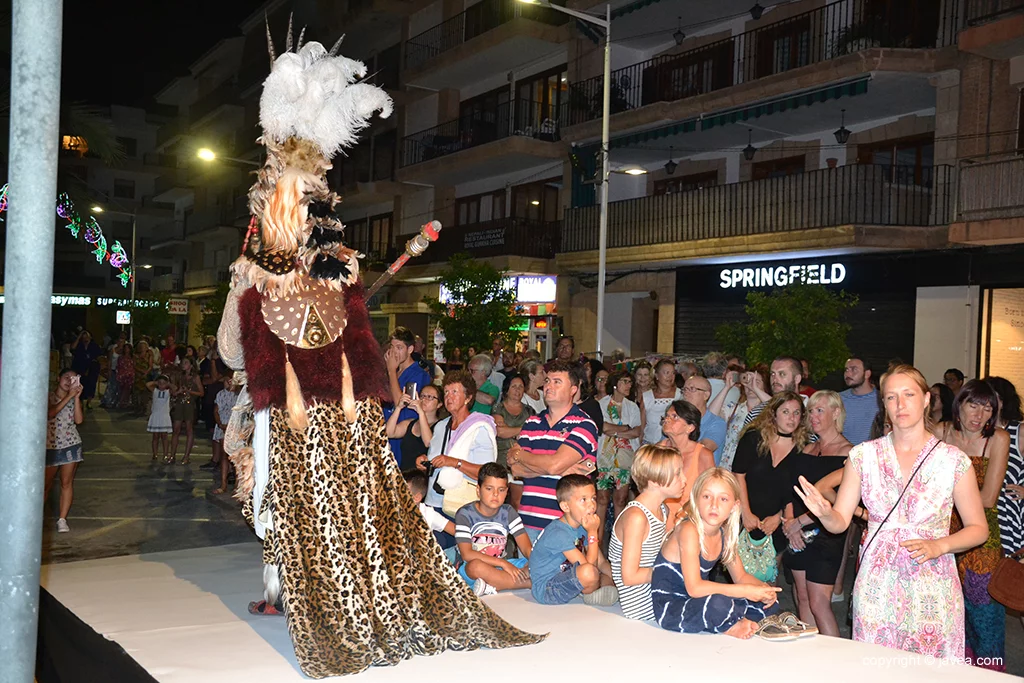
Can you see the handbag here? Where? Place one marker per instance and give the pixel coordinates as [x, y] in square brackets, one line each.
[466, 492]
[758, 557]
[1007, 583]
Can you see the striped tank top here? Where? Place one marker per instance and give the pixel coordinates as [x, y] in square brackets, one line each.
[636, 600]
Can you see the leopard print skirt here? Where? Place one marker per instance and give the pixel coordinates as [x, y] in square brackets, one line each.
[364, 581]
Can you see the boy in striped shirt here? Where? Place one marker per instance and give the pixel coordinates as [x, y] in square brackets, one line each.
[559, 441]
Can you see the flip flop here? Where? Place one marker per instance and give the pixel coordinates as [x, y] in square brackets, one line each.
[771, 628]
[262, 607]
[798, 628]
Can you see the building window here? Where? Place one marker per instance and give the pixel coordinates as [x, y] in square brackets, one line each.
[690, 73]
[124, 189]
[129, 145]
[1020, 122]
[779, 168]
[686, 183]
[536, 201]
[910, 160]
[480, 208]
[784, 46]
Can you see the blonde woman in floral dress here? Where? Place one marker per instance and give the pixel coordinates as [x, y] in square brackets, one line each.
[907, 595]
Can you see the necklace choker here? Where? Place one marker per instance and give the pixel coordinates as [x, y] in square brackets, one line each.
[784, 435]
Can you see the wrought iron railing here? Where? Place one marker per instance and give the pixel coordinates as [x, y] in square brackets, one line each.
[520, 117]
[501, 237]
[476, 20]
[991, 190]
[984, 11]
[848, 195]
[825, 33]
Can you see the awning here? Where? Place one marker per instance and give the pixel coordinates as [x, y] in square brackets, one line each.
[753, 111]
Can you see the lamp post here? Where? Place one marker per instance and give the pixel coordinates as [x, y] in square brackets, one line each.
[135, 266]
[602, 236]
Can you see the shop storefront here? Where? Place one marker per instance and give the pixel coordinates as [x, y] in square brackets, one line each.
[936, 309]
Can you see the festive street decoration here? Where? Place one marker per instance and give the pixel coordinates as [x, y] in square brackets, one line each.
[115, 255]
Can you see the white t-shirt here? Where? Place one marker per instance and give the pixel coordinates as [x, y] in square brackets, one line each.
[435, 520]
[480, 451]
[654, 409]
[537, 404]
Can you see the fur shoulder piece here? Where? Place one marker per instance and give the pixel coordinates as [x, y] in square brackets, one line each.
[315, 96]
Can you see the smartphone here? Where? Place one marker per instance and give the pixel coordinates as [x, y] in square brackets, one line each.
[76, 380]
[410, 389]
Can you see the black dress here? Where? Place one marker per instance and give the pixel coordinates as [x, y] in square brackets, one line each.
[769, 489]
[412, 448]
[823, 556]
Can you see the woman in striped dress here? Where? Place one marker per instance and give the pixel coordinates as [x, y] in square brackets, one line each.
[1010, 505]
[640, 530]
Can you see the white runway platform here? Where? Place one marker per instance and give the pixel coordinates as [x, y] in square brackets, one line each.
[182, 616]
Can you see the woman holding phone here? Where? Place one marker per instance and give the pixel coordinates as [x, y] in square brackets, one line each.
[63, 444]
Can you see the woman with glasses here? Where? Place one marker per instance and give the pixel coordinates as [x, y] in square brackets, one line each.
[681, 425]
[416, 433]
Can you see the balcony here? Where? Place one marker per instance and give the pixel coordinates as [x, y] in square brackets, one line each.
[206, 106]
[519, 135]
[502, 237]
[995, 29]
[836, 207]
[172, 185]
[820, 35]
[170, 132]
[490, 37]
[206, 278]
[990, 205]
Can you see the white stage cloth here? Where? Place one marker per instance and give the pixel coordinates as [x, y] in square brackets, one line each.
[183, 616]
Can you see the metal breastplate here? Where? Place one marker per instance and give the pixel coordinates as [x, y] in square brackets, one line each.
[311, 318]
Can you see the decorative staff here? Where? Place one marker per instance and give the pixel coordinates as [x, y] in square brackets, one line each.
[414, 247]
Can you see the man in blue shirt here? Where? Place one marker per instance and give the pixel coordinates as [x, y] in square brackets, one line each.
[403, 372]
[696, 391]
[860, 401]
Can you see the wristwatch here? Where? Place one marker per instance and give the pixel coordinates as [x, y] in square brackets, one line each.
[458, 464]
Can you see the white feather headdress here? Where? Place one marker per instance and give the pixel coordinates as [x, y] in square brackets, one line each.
[313, 95]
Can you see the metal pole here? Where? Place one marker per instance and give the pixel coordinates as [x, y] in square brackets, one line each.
[135, 273]
[602, 236]
[32, 170]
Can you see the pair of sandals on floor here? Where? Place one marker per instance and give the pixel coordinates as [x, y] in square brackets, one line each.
[784, 626]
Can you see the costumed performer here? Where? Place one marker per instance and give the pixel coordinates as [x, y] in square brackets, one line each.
[359, 575]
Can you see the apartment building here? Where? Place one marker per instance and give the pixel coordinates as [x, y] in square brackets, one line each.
[749, 143]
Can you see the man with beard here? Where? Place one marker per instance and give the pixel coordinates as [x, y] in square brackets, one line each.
[860, 401]
[786, 375]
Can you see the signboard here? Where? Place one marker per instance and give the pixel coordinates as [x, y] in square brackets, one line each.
[177, 306]
[63, 300]
[124, 317]
[782, 275]
[491, 237]
[529, 289]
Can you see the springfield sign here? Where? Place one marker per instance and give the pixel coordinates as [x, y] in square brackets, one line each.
[782, 275]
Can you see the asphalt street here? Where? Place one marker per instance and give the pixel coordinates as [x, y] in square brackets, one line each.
[124, 504]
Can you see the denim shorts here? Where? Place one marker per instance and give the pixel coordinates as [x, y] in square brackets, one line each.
[55, 457]
[561, 588]
[517, 562]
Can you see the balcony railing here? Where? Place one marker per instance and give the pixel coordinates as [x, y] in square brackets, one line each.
[984, 11]
[224, 95]
[505, 236]
[475, 21]
[849, 195]
[819, 35]
[991, 190]
[521, 117]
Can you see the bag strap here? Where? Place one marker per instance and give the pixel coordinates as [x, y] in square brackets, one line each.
[447, 433]
[911, 479]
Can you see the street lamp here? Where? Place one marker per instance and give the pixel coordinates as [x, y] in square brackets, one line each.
[96, 208]
[208, 155]
[602, 237]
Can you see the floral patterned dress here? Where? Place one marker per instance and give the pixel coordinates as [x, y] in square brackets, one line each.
[897, 602]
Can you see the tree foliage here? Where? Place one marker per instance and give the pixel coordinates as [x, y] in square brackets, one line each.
[212, 311]
[802, 320]
[153, 321]
[480, 309]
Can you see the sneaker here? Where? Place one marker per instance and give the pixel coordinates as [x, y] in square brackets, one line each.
[605, 596]
[482, 588]
[62, 526]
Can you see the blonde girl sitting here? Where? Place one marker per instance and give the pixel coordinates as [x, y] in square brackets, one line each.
[640, 529]
[684, 598]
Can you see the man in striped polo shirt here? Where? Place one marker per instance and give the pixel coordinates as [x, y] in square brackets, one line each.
[561, 440]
